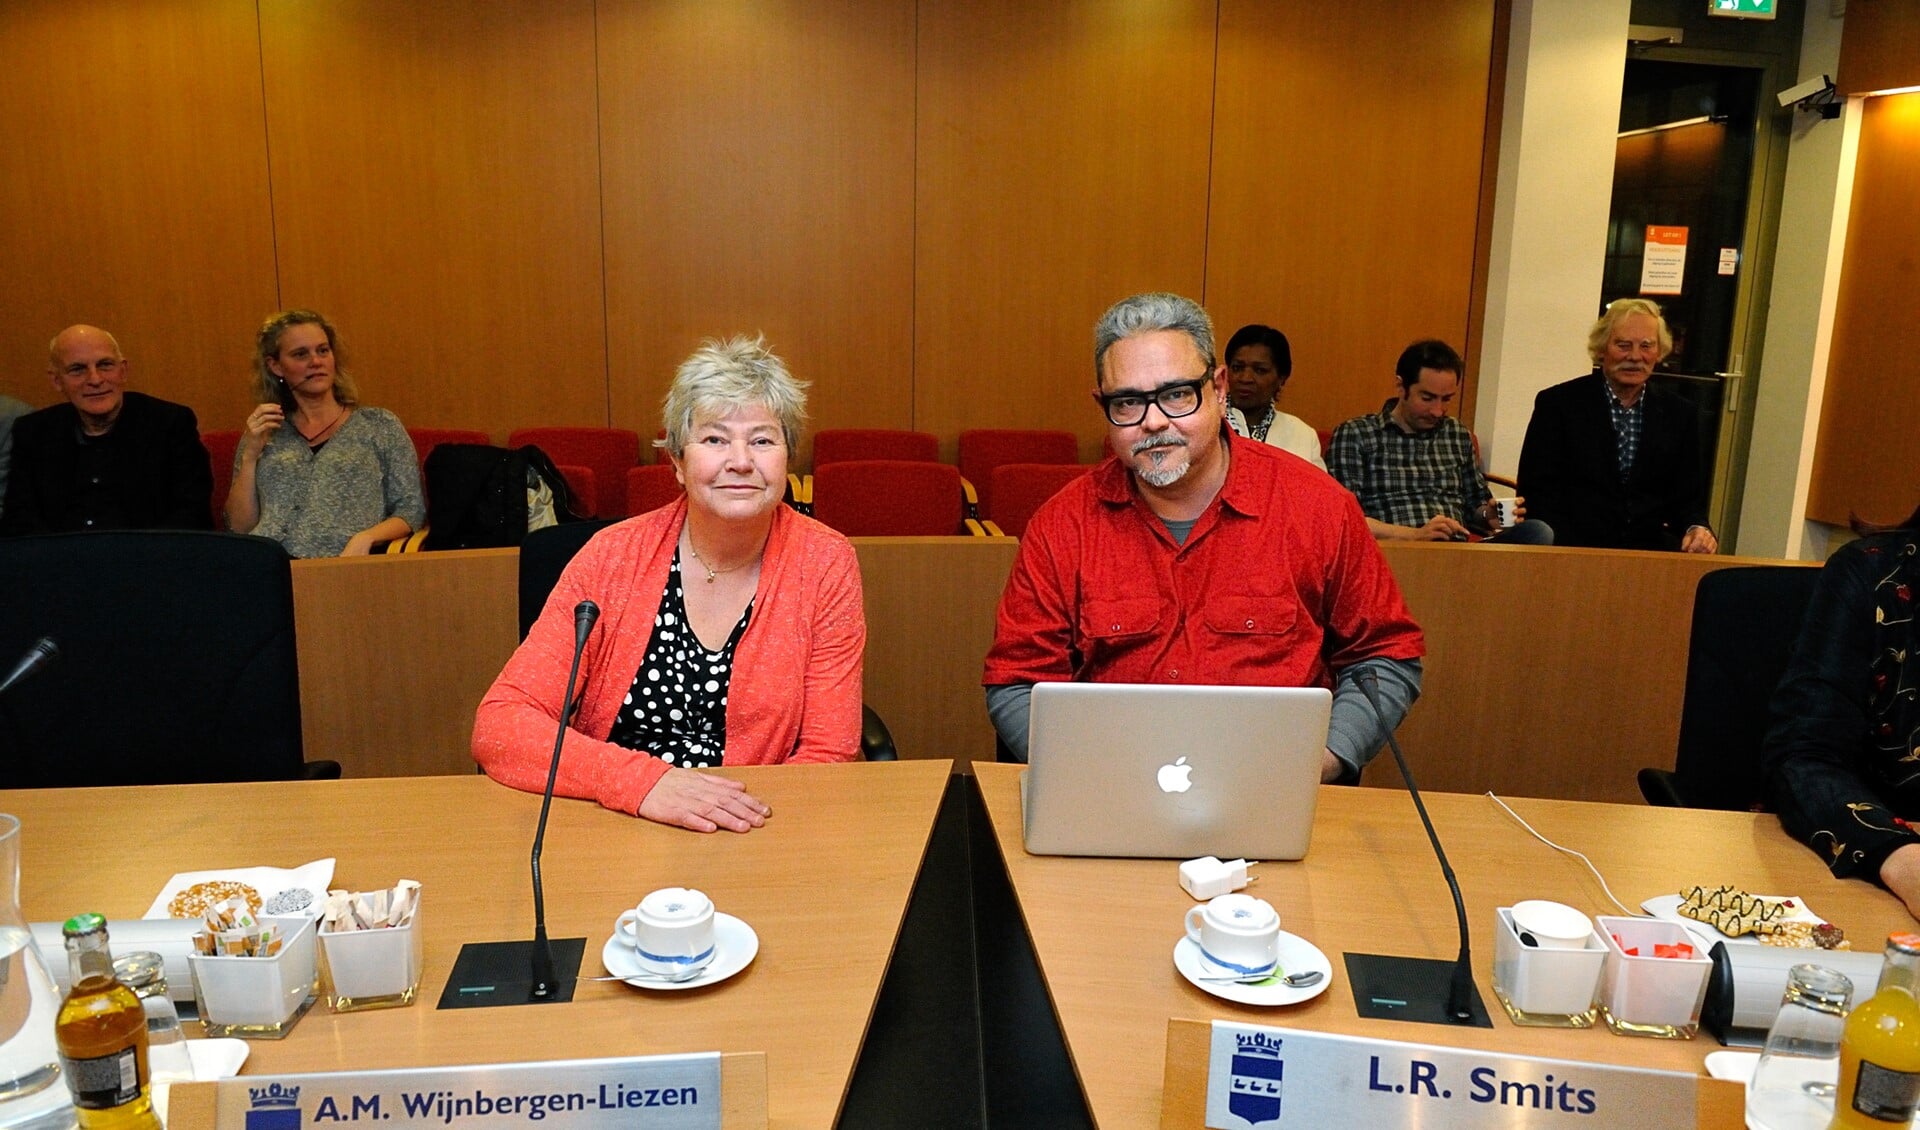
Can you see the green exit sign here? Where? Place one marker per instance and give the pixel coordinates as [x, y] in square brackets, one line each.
[1742, 9]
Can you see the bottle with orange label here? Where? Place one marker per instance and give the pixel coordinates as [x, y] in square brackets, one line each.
[1880, 1052]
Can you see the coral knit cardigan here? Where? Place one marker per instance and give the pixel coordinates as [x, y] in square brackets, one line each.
[795, 689]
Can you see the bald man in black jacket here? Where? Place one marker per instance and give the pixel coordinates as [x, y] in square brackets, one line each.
[107, 459]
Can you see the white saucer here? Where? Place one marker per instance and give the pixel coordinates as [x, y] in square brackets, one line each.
[1737, 1066]
[211, 1060]
[734, 947]
[1297, 955]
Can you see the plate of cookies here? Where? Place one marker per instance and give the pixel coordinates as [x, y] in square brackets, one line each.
[1729, 914]
[267, 890]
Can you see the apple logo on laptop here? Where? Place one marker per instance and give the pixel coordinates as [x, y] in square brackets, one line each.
[1175, 778]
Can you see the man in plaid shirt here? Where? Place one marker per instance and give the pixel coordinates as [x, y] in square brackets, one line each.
[1412, 466]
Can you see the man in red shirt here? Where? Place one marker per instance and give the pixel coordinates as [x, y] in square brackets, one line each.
[1196, 556]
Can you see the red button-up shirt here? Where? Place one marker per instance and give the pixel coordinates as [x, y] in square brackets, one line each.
[1279, 584]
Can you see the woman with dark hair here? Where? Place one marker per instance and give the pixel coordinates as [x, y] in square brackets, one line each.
[1259, 361]
[316, 471]
[1842, 762]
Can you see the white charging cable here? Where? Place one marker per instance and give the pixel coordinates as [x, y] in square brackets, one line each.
[1596, 871]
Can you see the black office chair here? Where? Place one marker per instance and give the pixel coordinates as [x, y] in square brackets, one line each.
[544, 556]
[1746, 620]
[177, 661]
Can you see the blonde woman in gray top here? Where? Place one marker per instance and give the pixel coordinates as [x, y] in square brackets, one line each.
[316, 471]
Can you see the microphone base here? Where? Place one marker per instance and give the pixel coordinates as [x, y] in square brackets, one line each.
[497, 974]
[1409, 988]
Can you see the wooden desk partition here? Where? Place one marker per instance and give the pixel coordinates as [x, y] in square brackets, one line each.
[930, 605]
[824, 885]
[395, 652]
[1104, 929]
[1550, 672]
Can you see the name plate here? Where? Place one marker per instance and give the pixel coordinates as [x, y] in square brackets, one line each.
[1280, 1078]
[681, 1092]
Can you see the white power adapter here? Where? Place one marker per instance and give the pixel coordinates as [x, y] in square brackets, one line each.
[1207, 877]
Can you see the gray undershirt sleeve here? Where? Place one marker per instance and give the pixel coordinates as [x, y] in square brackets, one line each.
[1356, 732]
[1007, 706]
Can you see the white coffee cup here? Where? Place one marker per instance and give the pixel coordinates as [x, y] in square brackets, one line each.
[1552, 925]
[1237, 932]
[671, 931]
[1506, 512]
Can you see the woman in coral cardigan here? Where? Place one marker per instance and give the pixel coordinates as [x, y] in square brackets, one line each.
[731, 629]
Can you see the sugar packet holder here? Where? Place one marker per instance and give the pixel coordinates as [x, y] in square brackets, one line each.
[233, 931]
[348, 911]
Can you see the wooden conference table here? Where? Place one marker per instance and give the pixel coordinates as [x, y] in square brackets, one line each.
[824, 884]
[1104, 930]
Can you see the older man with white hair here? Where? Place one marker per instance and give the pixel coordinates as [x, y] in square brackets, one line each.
[1612, 462]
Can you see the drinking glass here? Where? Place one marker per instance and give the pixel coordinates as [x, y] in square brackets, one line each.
[1793, 1084]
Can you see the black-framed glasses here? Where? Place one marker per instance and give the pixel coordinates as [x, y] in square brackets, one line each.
[1177, 399]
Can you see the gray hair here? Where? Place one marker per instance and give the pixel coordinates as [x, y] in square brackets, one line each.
[1151, 313]
[724, 376]
[1619, 310]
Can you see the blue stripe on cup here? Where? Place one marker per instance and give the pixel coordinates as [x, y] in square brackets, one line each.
[676, 959]
[1242, 970]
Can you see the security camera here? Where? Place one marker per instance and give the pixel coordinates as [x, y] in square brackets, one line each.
[1806, 91]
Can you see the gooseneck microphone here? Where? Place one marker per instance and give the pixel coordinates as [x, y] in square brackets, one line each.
[43, 652]
[494, 974]
[1412, 988]
[584, 614]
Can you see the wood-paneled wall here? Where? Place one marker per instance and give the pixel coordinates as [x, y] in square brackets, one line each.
[436, 194]
[757, 164]
[1346, 187]
[1867, 459]
[1063, 163]
[1879, 46]
[134, 193]
[528, 211]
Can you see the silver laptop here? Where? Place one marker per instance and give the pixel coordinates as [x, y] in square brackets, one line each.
[1173, 772]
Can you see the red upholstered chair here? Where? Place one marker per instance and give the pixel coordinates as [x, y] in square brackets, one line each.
[650, 487]
[426, 439]
[608, 452]
[581, 484]
[983, 449]
[1020, 488]
[838, 445]
[889, 497]
[1326, 440]
[220, 448]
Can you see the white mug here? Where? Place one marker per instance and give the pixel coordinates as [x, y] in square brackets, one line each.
[671, 931]
[1238, 933]
[1506, 513]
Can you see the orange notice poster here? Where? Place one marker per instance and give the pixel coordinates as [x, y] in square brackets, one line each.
[1665, 261]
